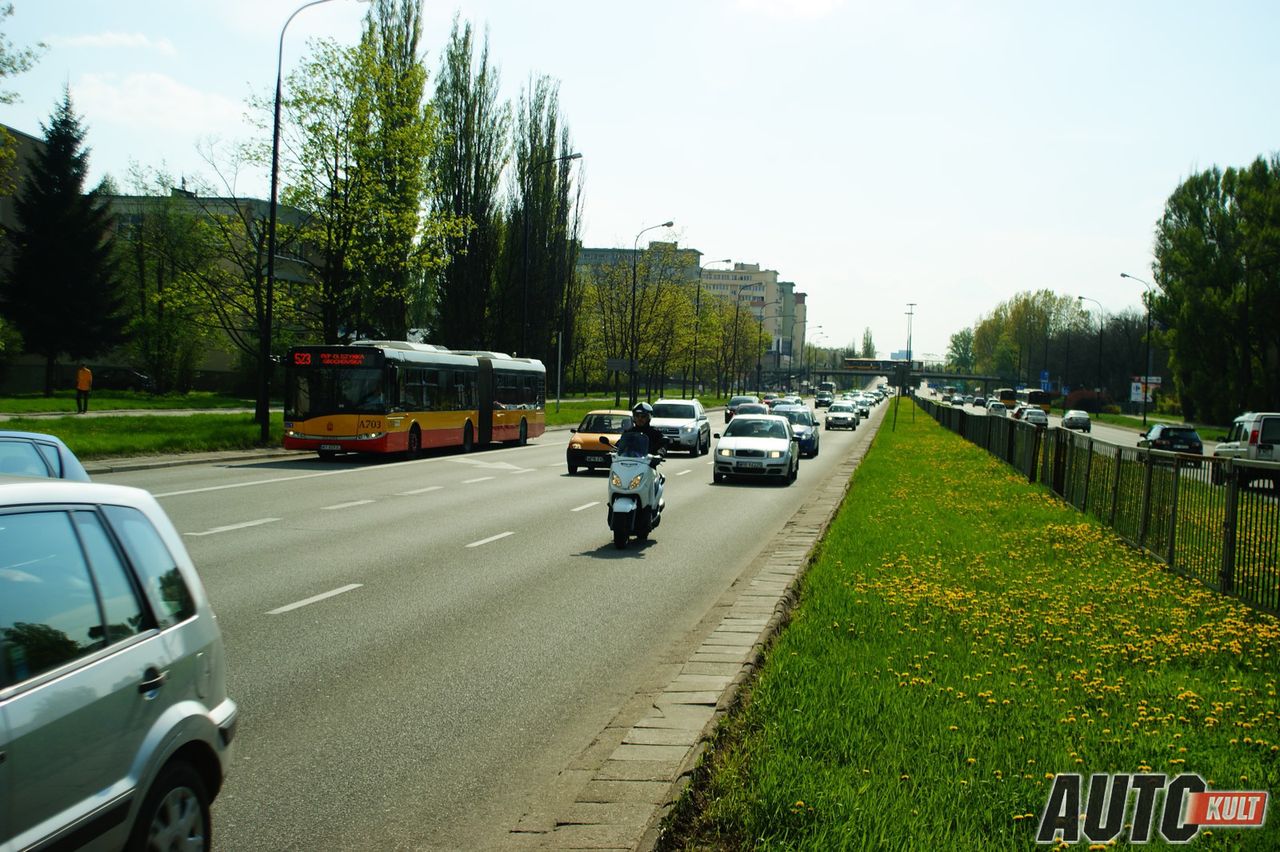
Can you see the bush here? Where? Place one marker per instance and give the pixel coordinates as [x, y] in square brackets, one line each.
[1087, 400]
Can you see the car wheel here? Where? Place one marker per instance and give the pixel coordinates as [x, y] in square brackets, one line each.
[573, 469]
[175, 814]
[717, 478]
[816, 448]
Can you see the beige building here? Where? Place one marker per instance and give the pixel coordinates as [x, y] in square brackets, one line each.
[774, 303]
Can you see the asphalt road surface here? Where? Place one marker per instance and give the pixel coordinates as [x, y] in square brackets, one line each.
[419, 647]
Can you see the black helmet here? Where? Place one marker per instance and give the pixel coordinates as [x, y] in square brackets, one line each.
[642, 408]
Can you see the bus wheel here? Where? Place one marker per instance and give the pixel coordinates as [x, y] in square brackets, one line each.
[415, 442]
[468, 442]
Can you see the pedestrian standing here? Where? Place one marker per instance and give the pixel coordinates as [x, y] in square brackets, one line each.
[84, 384]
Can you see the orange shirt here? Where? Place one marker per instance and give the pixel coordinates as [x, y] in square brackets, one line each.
[84, 379]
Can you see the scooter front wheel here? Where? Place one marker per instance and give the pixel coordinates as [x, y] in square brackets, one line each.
[620, 539]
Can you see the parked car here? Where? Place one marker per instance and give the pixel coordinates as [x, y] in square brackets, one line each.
[823, 399]
[585, 448]
[1173, 438]
[997, 408]
[803, 425]
[683, 422]
[731, 407]
[760, 446]
[36, 454]
[841, 415]
[1035, 416]
[121, 378]
[1254, 436]
[1077, 419]
[115, 725]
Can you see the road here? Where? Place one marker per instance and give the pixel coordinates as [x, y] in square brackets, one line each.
[420, 647]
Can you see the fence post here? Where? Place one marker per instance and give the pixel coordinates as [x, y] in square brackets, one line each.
[1227, 572]
[1062, 454]
[1144, 520]
[1115, 491]
[1088, 469]
[1033, 453]
[1173, 518]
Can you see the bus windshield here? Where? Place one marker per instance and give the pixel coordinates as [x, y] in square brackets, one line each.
[334, 390]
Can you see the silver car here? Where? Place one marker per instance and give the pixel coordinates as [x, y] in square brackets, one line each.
[761, 446]
[115, 725]
[1077, 419]
[683, 423]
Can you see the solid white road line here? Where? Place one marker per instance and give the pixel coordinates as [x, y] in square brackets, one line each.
[344, 505]
[586, 506]
[315, 599]
[490, 538]
[256, 523]
[420, 490]
[480, 479]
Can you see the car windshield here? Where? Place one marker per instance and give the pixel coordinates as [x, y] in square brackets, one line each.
[841, 406]
[633, 445]
[798, 418]
[608, 424]
[739, 400]
[1076, 414]
[742, 428]
[673, 411]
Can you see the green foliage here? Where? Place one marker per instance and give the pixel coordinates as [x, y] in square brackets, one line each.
[960, 352]
[62, 293]
[868, 344]
[1218, 268]
[14, 61]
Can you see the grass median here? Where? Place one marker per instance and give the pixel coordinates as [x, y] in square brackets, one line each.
[151, 434]
[960, 639]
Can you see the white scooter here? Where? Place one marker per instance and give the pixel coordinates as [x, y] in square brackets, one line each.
[635, 489]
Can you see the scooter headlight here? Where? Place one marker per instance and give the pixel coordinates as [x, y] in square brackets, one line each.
[635, 482]
[615, 481]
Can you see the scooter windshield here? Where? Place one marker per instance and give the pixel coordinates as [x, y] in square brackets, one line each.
[633, 445]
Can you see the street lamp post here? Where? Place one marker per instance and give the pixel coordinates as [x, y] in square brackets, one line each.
[528, 190]
[264, 331]
[697, 321]
[1100, 320]
[635, 342]
[1146, 380]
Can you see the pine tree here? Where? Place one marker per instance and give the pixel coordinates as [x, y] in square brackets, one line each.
[62, 294]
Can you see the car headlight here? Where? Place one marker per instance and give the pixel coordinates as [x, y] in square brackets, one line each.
[724, 452]
[615, 481]
[575, 446]
[635, 482]
[775, 454]
[687, 429]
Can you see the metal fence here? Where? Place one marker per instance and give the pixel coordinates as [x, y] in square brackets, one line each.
[1217, 520]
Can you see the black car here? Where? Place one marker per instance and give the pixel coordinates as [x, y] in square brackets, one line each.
[1173, 438]
[732, 407]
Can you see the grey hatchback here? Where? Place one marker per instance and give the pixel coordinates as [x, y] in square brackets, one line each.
[115, 725]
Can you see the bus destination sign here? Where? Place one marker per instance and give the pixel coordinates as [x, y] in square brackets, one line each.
[335, 358]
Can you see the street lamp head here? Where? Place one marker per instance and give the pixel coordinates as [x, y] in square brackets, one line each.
[574, 156]
[666, 224]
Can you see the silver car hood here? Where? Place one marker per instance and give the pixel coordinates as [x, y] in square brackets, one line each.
[754, 443]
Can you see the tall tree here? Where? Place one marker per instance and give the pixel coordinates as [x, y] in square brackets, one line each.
[398, 246]
[868, 344]
[12, 61]
[473, 151]
[62, 293]
[960, 352]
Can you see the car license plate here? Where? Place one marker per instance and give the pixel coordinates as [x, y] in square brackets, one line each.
[334, 447]
[596, 459]
[751, 464]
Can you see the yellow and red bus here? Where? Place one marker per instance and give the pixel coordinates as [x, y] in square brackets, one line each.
[1008, 396]
[392, 396]
[1035, 398]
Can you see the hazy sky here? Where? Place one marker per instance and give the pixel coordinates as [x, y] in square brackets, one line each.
[949, 154]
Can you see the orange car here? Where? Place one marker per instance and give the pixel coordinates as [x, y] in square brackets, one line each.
[585, 449]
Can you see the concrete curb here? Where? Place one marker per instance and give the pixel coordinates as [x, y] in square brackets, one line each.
[623, 786]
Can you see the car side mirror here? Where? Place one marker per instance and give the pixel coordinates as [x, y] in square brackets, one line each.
[715, 435]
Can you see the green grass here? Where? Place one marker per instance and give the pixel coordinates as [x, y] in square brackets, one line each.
[65, 401]
[127, 435]
[961, 638]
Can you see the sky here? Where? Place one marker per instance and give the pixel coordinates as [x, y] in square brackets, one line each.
[877, 154]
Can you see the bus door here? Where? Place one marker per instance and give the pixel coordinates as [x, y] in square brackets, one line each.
[485, 388]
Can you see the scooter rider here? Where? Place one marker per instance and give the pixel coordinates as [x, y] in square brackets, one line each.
[641, 417]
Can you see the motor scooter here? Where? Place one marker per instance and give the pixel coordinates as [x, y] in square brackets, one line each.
[635, 489]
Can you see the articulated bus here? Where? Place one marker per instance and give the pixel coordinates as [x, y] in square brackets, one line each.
[1006, 395]
[388, 396]
[1035, 397]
